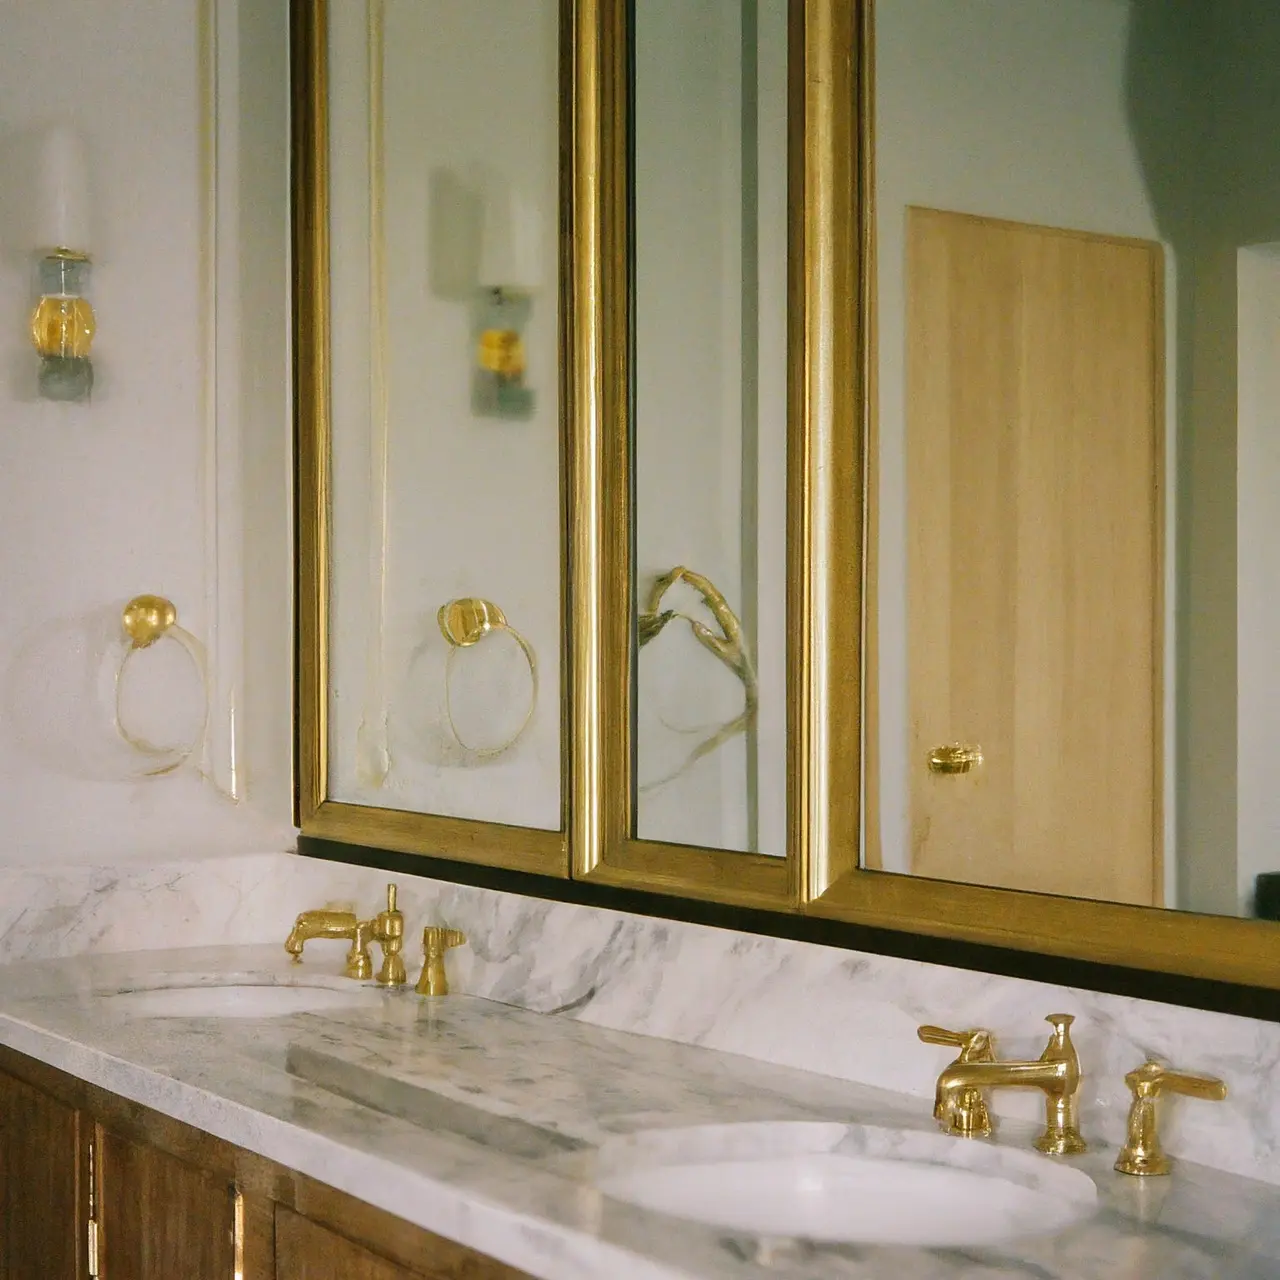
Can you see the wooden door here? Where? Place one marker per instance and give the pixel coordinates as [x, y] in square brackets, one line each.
[1034, 436]
[160, 1217]
[41, 1221]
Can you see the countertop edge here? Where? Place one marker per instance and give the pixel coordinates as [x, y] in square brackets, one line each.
[463, 1216]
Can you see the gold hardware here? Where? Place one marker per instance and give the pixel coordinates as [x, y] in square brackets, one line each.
[1056, 1072]
[237, 1234]
[966, 1115]
[146, 618]
[386, 929]
[435, 942]
[1141, 1154]
[954, 759]
[390, 935]
[728, 647]
[465, 622]
[91, 1227]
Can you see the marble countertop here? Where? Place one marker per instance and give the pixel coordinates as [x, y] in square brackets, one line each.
[482, 1122]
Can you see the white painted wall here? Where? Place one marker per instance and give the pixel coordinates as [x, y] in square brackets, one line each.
[1010, 108]
[181, 460]
[472, 503]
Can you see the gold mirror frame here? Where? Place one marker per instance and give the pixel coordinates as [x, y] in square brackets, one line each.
[467, 840]
[831, 396]
[1214, 947]
[824, 490]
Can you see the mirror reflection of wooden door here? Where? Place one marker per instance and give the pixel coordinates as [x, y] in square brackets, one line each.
[1035, 393]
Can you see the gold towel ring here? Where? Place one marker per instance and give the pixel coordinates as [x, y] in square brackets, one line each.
[729, 647]
[148, 619]
[463, 623]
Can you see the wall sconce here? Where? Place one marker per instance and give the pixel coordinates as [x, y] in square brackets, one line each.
[510, 273]
[63, 323]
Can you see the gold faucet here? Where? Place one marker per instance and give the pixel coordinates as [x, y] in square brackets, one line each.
[961, 1109]
[1142, 1155]
[435, 942]
[386, 929]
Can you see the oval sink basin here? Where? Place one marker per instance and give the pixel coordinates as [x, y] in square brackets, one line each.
[232, 1000]
[846, 1184]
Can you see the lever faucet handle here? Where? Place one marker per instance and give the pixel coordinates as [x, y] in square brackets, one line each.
[1142, 1155]
[975, 1045]
[436, 940]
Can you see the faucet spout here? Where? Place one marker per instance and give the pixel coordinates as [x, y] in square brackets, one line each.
[319, 924]
[1056, 1073]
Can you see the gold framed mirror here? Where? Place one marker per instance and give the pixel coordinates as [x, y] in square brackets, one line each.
[751, 366]
[1067, 295]
[432, 164]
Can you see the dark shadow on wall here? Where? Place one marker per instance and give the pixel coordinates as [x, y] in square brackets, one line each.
[1204, 106]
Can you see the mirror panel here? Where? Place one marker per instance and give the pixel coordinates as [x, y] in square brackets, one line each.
[709, 286]
[1077, 301]
[445, 601]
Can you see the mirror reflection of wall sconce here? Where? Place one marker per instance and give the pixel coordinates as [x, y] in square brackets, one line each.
[510, 274]
[729, 647]
[464, 623]
[63, 323]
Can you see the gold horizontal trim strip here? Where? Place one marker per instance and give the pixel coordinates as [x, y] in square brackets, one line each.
[1221, 948]
[530, 849]
[714, 875]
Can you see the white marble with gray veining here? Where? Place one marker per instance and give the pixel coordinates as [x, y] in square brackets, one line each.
[846, 1014]
[481, 1122]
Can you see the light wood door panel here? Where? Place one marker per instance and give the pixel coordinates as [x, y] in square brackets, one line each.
[162, 1218]
[1034, 436]
[41, 1226]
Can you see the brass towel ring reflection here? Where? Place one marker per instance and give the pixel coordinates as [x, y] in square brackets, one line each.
[729, 647]
[146, 620]
[463, 623]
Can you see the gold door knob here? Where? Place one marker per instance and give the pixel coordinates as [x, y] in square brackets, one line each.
[1141, 1154]
[955, 758]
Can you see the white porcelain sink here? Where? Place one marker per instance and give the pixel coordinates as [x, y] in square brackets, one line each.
[233, 1000]
[846, 1184]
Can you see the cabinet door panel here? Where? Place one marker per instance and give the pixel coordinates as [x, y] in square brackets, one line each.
[40, 1225]
[305, 1251]
[162, 1218]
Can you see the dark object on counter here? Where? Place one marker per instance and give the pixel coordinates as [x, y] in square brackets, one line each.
[1266, 897]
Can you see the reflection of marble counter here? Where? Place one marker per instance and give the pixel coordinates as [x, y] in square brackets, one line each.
[510, 1106]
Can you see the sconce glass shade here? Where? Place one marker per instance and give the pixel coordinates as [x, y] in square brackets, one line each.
[62, 327]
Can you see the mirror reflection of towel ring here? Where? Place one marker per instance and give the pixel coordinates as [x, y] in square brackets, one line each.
[147, 620]
[729, 647]
[464, 623]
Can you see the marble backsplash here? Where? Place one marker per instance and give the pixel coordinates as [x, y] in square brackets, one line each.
[840, 1013]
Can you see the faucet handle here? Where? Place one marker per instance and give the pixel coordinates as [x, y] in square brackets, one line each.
[389, 930]
[436, 940]
[975, 1045]
[1153, 1078]
[1142, 1154]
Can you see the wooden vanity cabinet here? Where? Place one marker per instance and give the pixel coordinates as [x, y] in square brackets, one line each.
[41, 1211]
[170, 1201]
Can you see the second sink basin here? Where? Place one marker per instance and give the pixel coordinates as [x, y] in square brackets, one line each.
[846, 1184]
[233, 1000]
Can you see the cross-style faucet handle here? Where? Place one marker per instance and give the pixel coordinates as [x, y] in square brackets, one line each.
[1141, 1154]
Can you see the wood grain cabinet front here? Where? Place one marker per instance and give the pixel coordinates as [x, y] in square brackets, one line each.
[160, 1217]
[95, 1186]
[40, 1208]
